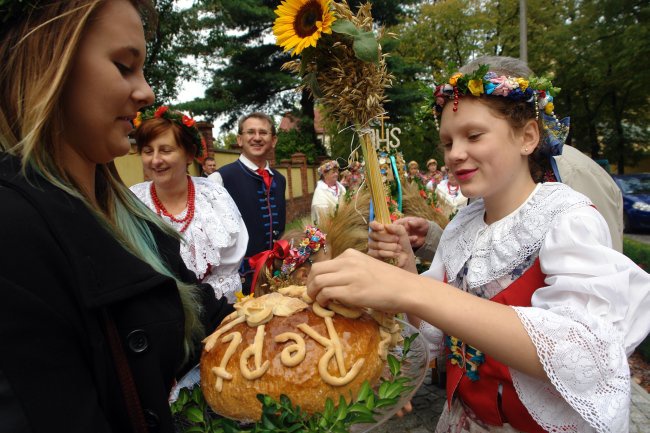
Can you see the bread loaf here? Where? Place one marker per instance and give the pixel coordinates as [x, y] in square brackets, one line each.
[279, 344]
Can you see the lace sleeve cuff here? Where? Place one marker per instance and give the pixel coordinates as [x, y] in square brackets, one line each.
[587, 367]
[225, 285]
[433, 336]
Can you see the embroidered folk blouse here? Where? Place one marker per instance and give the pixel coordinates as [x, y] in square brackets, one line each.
[215, 240]
[584, 324]
[325, 199]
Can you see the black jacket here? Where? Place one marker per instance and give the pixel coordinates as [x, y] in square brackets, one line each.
[59, 270]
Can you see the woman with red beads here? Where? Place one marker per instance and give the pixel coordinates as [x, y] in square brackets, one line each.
[214, 233]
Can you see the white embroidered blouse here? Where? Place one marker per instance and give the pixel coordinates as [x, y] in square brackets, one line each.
[215, 241]
[325, 199]
[584, 323]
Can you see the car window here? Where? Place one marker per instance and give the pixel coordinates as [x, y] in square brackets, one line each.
[635, 185]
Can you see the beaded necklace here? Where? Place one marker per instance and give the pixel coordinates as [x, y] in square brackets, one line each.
[160, 208]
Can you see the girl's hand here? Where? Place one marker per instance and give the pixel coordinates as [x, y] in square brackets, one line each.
[391, 241]
[356, 279]
[408, 408]
[417, 229]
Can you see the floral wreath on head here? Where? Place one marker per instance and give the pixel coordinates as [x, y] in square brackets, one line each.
[329, 165]
[185, 121]
[313, 241]
[534, 90]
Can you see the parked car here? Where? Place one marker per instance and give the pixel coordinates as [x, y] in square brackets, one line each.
[636, 200]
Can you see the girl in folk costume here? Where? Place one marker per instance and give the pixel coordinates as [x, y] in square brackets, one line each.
[202, 211]
[328, 192]
[535, 311]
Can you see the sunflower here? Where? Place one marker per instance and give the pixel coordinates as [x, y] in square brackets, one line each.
[300, 23]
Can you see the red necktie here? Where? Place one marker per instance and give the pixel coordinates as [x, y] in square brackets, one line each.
[266, 176]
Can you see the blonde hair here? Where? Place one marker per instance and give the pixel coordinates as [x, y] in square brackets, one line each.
[38, 52]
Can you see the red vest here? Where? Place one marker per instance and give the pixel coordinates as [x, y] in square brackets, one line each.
[482, 394]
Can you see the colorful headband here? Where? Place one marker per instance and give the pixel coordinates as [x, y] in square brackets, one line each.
[312, 242]
[186, 122]
[534, 90]
[329, 165]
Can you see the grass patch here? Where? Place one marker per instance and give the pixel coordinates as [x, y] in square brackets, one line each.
[638, 252]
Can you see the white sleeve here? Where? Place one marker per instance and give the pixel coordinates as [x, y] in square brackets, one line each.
[584, 323]
[216, 240]
[433, 335]
[216, 178]
[225, 278]
[320, 204]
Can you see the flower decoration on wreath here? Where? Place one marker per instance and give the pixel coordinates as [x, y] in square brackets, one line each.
[313, 241]
[185, 121]
[329, 165]
[538, 91]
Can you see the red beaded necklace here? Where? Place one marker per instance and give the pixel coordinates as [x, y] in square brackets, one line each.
[160, 208]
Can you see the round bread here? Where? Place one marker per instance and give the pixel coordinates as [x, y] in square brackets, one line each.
[298, 353]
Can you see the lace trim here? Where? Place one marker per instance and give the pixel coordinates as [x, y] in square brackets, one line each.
[225, 285]
[497, 249]
[587, 367]
[434, 336]
[216, 224]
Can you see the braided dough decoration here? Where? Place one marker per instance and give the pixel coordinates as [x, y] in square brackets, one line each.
[281, 343]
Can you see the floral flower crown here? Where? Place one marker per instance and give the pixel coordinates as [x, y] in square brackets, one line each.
[538, 91]
[186, 122]
[329, 165]
[313, 241]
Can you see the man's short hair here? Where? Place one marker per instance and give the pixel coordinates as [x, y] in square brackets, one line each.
[256, 115]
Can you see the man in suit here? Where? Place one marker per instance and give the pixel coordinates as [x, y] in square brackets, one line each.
[257, 189]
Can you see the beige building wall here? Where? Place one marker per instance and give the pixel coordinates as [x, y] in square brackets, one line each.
[130, 166]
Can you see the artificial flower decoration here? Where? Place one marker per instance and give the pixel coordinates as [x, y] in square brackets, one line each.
[185, 121]
[329, 165]
[313, 241]
[301, 23]
[533, 90]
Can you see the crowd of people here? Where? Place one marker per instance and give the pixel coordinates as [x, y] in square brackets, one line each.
[108, 290]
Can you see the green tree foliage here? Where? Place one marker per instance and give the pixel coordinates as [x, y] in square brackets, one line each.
[293, 141]
[249, 75]
[166, 48]
[597, 52]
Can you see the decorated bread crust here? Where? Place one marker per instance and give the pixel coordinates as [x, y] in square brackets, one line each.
[282, 344]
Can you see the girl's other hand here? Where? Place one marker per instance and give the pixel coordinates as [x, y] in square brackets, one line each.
[417, 229]
[391, 241]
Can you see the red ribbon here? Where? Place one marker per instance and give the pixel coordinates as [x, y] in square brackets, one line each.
[259, 260]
